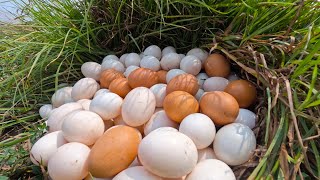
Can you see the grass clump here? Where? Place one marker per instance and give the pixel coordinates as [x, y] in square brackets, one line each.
[273, 44]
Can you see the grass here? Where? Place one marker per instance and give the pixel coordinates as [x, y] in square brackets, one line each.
[274, 44]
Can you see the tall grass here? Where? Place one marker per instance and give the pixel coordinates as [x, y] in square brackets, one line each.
[273, 44]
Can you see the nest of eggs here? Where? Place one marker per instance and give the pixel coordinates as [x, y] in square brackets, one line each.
[157, 115]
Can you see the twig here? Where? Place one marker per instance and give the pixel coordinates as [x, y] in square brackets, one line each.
[301, 3]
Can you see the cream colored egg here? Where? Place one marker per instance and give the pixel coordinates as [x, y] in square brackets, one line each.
[136, 173]
[69, 162]
[234, 144]
[200, 53]
[112, 64]
[85, 103]
[168, 153]
[173, 73]
[215, 84]
[45, 110]
[107, 105]
[200, 128]
[110, 57]
[91, 70]
[150, 62]
[199, 94]
[167, 50]
[206, 153]
[61, 96]
[132, 59]
[45, 147]
[201, 78]
[138, 106]
[82, 126]
[246, 117]
[129, 70]
[101, 91]
[158, 120]
[191, 64]
[170, 61]
[85, 88]
[211, 169]
[159, 91]
[123, 58]
[153, 50]
[57, 116]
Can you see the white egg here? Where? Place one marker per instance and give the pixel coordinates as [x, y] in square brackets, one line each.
[82, 126]
[136, 173]
[199, 128]
[132, 59]
[191, 64]
[182, 56]
[110, 57]
[206, 153]
[215, 84]
[101, 91]
[211, 169]
[45, 110]
[170, 61]
[150, 62]
[57, 116]
[135, 162]
[153, 50]
[91, 70]
[234, 144]
[201, 78]
[107, 105]
[233, 77]
[85, 103]
[138, 106]
[123, 58]
[112, 64]
[158, 120]
[173, 73]
[200, 53]
[61, 96]
[129, 70]
[168, 153]
[69, 162]
[167, 50]
[246, 117]
[85, 88]
[45, 147]
[159, 91]
[199, 94]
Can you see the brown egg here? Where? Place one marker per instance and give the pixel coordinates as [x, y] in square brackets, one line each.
[120, 86]
[244, 92]
[180, 104]
[184, 82]
[162, 74]
[142, 77]
[220, 106]
[114, 151]
[107, 76]
[217, 65]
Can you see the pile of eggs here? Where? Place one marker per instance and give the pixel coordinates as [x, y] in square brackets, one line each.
[149, 116]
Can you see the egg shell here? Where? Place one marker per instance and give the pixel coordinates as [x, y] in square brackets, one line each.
[233, 76]
[162, 76]
[119, 121]
[211, 169]
[201, 78]
[120, 86]
[101, 91]
[150, 62]
[129, 70]
[108, 124]
[142, 77]
[57, 117]
[182, 56]
[110, 57]
[82, 126]
[221, 107]
[199, 128]
[168, 153]
[107, 76]
[132, 59]
[183, 82]
[123, 58]
[61, 96]
[45, 110]
[107, 106]
[91, 70]
[112, 64]
[153, 50]
[45, 147]
[215, 84]
[173, 73]
[199, 53]
[159, 91]
[170, 61]
[234, 144]
[69, 162]
[138, 106]
[167, 50]
[246, 117]
[244, 92]
[206, 153]
[191, 64]
[199, 94]
[136, 173]
[217, 65]
[85, 88]
[108, 156]
[180, 104]
[158, 120]
[85, 103]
